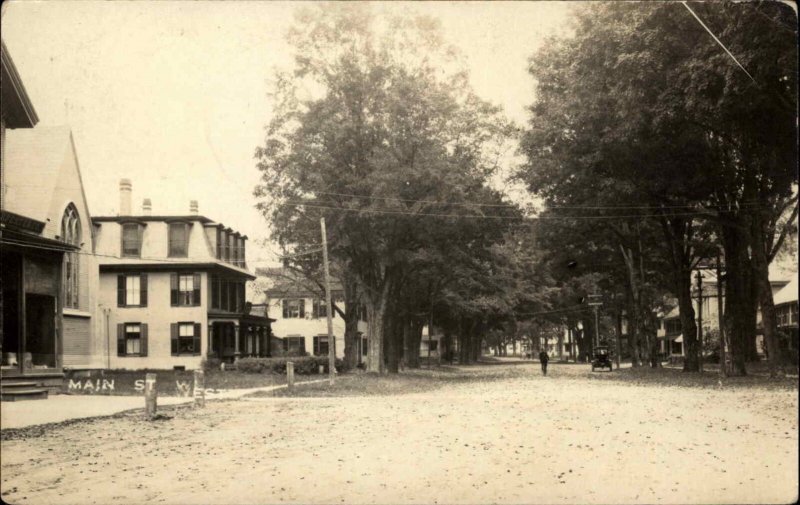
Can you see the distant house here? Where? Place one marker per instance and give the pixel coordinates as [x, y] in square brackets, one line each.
[173, 289]
[786, 311]
[48, 271]
[670, 334]
[298, 307]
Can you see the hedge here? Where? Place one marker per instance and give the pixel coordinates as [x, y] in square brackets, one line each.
[306, 365]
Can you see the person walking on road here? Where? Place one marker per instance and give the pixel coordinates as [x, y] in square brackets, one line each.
[543, 359]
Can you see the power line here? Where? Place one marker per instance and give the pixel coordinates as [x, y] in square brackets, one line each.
[719, 42]
[483, 216]
[513, 206]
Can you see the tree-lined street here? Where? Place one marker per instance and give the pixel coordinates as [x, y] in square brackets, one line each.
[485, 434]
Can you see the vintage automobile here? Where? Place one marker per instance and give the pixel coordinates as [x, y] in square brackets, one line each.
[602, 358]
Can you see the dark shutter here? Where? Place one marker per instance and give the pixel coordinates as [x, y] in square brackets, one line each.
[285, 309]
[196, 295]
[174, 338]
[302, 304]
[120, 291]
[143, 290]
[211, 300]
[143, 340]
[121, 340]
[173, 289]
[197, 333]
[315, 309]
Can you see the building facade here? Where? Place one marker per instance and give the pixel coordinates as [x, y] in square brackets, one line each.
[172, 290]
[48, 268]
[300, 313]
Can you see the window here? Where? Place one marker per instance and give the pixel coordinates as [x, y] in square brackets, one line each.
[293, 309]
[185, 339]
[132, 339]
[673, 326]
[178, 240]
[220, 255]
[132, 290]
[131, 240]
[433, 345]
[71, 234]
[364, 346]
[185, 290]
[321, 346]
[294, 346]
[319, 309]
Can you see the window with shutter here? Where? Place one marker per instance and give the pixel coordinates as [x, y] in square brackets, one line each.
[120, 339]
[197, 334]
[173, 290]
[173, 339]
[120, 291]
[143, 345]
[143, 290]
[196, 295]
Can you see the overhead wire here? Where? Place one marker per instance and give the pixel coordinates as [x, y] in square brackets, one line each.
[485, 216]
[514, 206]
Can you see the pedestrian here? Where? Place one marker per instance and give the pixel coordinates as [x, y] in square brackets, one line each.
[544, 358]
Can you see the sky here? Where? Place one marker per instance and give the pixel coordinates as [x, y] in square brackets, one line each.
[175, 95]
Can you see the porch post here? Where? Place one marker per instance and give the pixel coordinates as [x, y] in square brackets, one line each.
[210, 349]
[236, 349]
[257, 337]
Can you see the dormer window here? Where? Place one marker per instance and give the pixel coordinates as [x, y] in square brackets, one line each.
[178, 240]
[131, 240]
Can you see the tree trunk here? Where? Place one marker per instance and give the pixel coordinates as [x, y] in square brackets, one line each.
[376, 308]
[688, 325]
[412, 335]
[737, 295]
[393, 338]
[768, 317]
[351, 336]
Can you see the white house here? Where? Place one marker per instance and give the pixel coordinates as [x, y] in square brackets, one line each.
[172, 290]
[298, 307]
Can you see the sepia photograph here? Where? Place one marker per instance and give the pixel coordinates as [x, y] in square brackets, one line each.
[399, 252]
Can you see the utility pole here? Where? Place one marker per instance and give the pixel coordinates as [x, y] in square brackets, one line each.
[430, 332]
[595, 301]
[700, 317]
[331, 341]
[721, 321]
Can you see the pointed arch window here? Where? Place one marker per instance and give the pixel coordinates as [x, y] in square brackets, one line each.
[71, 234]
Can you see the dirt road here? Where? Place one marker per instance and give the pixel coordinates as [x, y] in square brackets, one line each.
[519, 438]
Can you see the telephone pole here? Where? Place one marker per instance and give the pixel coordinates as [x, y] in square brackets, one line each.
[595, 301]
[331, 341]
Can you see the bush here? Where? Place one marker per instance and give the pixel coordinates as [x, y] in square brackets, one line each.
[209, 364]
[307, 365]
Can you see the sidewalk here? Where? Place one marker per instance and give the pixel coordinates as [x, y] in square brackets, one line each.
[59, 408]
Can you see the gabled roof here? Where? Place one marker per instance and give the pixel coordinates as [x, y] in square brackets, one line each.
[288, 283]
[788, 294]
[34, 158]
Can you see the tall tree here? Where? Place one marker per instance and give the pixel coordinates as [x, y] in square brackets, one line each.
[375, 129]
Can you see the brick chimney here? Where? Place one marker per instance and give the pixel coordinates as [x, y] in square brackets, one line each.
[193, 207]
[147, 207]
[125, 189]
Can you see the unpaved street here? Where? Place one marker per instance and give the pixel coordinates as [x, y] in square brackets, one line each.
[515, 437]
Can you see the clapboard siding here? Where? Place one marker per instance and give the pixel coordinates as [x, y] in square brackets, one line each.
[77, 343]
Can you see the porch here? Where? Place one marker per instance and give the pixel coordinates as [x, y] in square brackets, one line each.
[232, 338]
